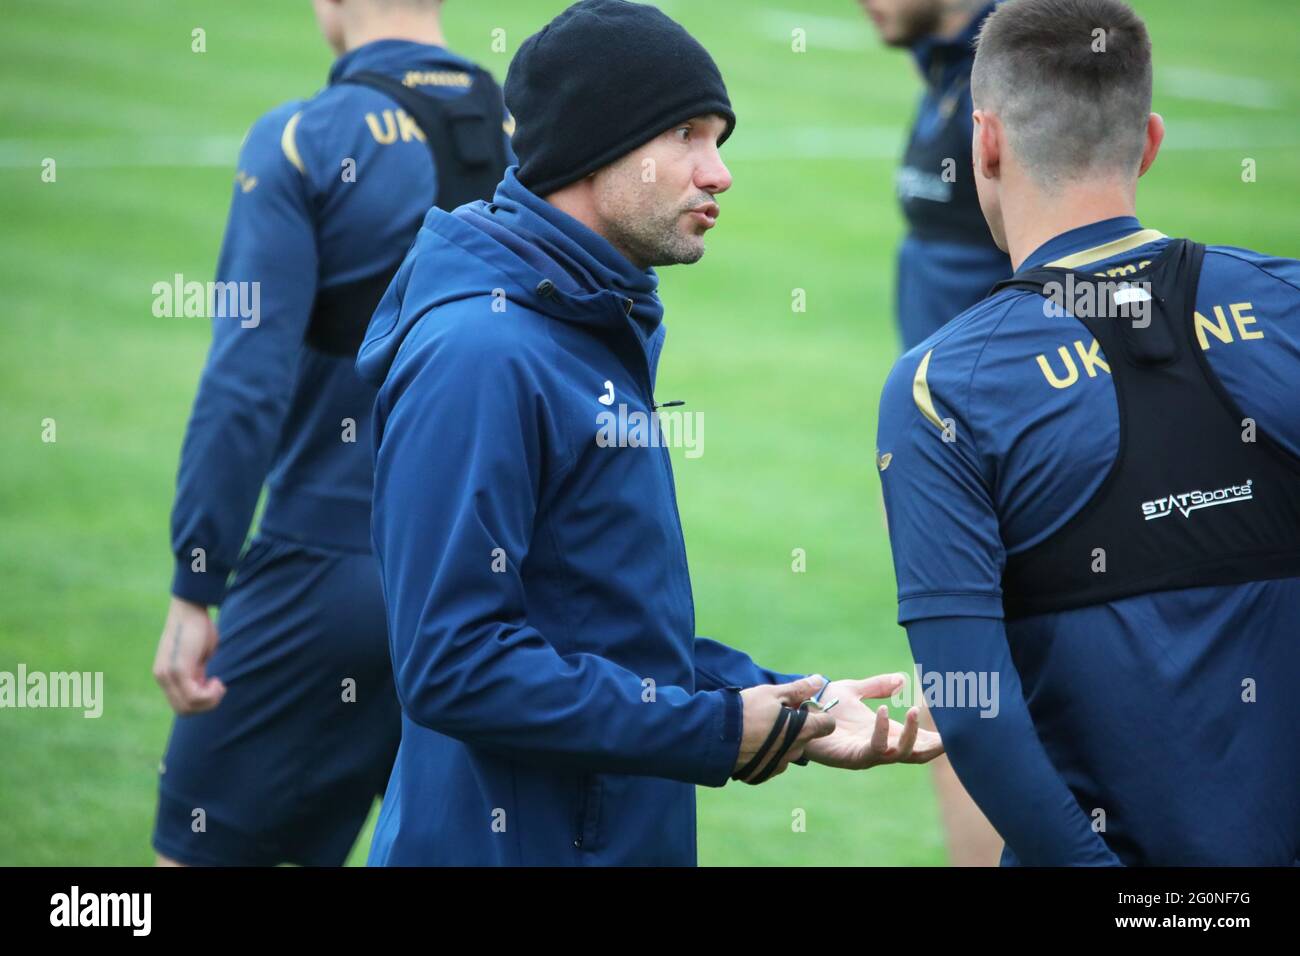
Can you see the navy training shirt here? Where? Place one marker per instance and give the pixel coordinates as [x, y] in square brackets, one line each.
[329, 191]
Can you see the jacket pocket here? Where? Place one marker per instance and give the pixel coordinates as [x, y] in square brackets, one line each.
[588, 820]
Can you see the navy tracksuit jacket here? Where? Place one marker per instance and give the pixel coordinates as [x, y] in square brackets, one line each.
[557, 706]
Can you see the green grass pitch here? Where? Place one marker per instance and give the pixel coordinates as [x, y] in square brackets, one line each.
[145, 131]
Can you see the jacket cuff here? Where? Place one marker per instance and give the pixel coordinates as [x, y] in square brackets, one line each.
[724, 745]
[199, 587]
[733, 716]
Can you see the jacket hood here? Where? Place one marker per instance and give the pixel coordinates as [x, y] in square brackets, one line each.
[539, 258]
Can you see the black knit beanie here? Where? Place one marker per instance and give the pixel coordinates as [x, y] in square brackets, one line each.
[602, 78]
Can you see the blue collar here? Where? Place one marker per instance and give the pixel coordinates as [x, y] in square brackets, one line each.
[589, 258]
[390, 56]
[1084, 237]
[937, 57]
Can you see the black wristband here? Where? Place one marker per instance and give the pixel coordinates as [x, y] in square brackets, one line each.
[780, 722]
[795, 724]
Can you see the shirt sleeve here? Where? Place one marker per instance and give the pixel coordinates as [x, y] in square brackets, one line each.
[996, 752]
[268, 264]
[461, 463]
[1285, 271]
[943, 530]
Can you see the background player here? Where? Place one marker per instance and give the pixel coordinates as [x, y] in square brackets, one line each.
[948, 261]
[287, 727]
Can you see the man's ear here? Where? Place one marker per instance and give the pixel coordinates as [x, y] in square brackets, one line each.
[988, 144]
[1155, 136]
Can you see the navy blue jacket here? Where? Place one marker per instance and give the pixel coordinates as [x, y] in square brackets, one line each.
[269, 408]
[557, 705]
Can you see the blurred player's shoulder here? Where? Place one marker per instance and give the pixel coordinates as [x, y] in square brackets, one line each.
[310, 138]
[351, 119]
[263, 164]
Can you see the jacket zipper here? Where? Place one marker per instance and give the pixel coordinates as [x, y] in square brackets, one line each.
[664, 458]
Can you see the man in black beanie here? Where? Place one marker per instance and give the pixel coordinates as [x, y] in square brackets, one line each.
[557, 705]
[600, 80]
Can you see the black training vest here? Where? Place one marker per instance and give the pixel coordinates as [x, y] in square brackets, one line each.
[1188, 502]
[941, 207]
[466, 140]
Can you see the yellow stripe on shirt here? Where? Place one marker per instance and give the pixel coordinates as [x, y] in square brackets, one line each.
[1098, 253]
[287, 144]
[921, 391]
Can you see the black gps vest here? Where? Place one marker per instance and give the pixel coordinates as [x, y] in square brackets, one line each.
[465, 138]
[935, 182]
[1189, 500]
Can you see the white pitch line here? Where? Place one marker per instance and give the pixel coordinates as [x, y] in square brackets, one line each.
[1192, 83]
[763, 144]
[1230, 137]
[143, 151]
[833, 33]
[817, 142]
[883, 142]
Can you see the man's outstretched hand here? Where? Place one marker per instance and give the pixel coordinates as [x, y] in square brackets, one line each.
[864, 737]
